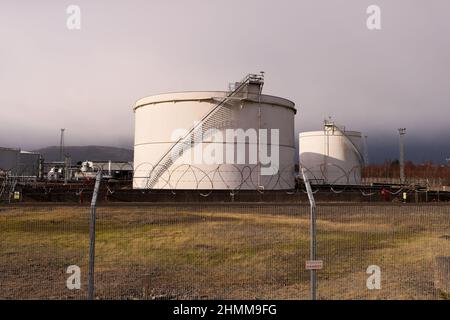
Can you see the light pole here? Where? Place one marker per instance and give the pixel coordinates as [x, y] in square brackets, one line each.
[61, 145]
[92, 221]
[402, 132]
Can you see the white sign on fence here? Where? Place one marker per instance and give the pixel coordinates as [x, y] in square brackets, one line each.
[314, 265]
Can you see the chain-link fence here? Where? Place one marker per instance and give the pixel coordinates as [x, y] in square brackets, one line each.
[38, 244]
[233, 251]
[404, 241]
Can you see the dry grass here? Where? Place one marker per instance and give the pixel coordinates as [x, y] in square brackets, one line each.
[225, 252]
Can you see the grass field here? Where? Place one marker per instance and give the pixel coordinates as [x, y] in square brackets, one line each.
[228, 252]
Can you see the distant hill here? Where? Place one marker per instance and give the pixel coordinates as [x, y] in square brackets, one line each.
[83, 153]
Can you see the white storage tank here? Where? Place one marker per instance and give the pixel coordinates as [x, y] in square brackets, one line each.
[177, 133]
[332, 156]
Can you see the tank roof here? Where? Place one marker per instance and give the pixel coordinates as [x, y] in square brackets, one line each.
[322, 133]
[210, 96]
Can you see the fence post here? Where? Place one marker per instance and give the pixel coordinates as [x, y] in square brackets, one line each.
[92, 236]
[313, 241]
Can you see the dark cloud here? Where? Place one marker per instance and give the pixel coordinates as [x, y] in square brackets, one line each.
[317, 53]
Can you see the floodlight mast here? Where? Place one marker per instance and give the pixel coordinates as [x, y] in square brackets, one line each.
[402, 132]
[61, 145]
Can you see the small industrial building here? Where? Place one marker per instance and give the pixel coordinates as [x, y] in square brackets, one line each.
[20, 163]
[29, 164]
[9, 159]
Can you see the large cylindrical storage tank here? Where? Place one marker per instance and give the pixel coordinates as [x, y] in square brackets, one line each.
[332, 156]
[161, 122]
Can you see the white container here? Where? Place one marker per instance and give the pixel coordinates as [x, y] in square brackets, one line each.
[332, 156]
[157, 117]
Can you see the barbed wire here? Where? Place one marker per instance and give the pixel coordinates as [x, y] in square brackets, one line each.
[223, 176]
[204, 179]
[339, 175]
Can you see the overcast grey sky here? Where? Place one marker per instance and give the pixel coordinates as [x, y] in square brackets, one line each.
[317, 53]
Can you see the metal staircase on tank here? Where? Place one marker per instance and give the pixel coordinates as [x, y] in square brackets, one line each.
[217, 114]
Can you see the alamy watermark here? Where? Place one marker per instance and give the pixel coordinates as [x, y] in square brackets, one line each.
[74, 280]
[229, 146]
[374, 280]
[373, 22]
[73, 21]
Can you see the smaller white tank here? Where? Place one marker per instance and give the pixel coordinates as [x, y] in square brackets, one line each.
[332, 156]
